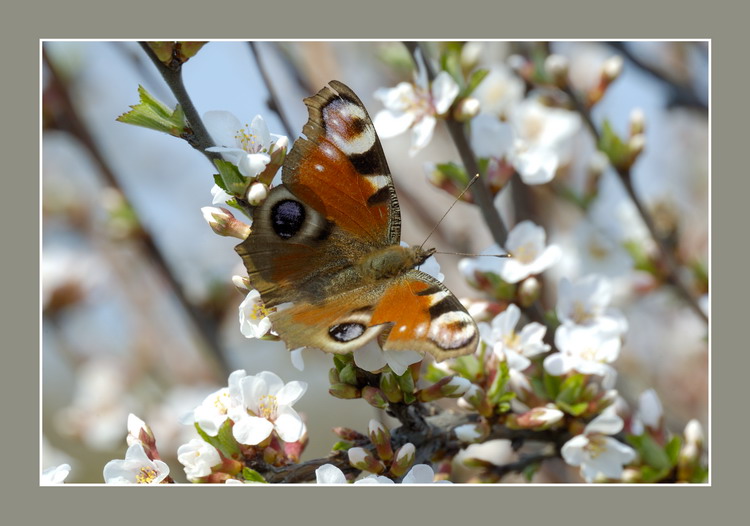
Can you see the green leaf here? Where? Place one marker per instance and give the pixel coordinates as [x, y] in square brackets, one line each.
[341, 360]
[433, 374]
[651, 452]
[469, 367]
[474, 80]
[672, 449]
[234, 182]
[641, 260]
[155, 115]
[341, 446]
[454, 172]
[610, 143]
[573, 409]
[571, 389]
[497, 389]
[551, 385]
[406, 383]
[251, 475]
[502, 289]
[650, 474]
[227, 443]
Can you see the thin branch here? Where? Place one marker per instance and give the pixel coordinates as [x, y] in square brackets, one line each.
[198, 138]
[437, 436]
[481, 194]
[624, 173]
[681, 94]
[273, 102]
[206, 330]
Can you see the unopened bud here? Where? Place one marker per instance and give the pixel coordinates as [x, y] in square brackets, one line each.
[348, 434]
[470, 433]
[381, 439]
[529, 291]
[476, 398]
[556, 67]
[374, 397]
[344, 391]
[637, 121]
[139, 432]
[257, 193]
[404, 459]
[333, 376]
[389, 386]
[448, 386]
[278, 154]
[360, 458]
[636, 143]
[693, 446]
[471, 52]
[224, 223]
[612, 68]
[348, 374]
[466, 109]
[242, 283]
[540, 417]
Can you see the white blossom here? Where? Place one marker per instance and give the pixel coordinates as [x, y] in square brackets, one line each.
[253, 315]
[198, 457]
[55, 475]
[136, 468]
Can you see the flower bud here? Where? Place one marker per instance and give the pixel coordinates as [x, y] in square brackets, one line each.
[139, 431]
[344, 391]
[637, 121]
[466, 109]
[256, 193]
[636, 143]
[470, 433]
[540, 417]
[556, 67]
[224, 223]
[242, 283]
[529, 291]
[348, 374]
[374, 397]
[350, 435]
[389, 386]
[381, 439]
[360, 458]
[333, 376]
[404, 459]
[693, 446]
[475, 398]
[612, 68]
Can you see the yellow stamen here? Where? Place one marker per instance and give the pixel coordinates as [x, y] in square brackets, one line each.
[145, 475]
[267, 407]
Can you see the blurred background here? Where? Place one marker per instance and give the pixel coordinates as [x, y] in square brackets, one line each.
[139, 312]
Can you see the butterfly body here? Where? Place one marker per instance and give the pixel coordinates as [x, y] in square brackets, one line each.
[325, 255]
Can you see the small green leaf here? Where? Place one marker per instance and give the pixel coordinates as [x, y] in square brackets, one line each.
[610, 143]
[251, 475]
[650, 474]
[672, 449]
[651, 452]
[497, 388]
[573, 409]
[234, 182]
[474, 80]
[571, 389]
[155, 115]
[406, 383]
[226, 441]
[552, 385]
[341, 360]
[454, 172]
[342, 445]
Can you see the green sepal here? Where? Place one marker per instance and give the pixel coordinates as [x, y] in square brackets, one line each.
[234, 182]
[406, 383]
[341, 446]
[573, 409]
[571, 389]
[251, 475]
[155, 115]
[341, 360]
[497, 389]
[348, 374]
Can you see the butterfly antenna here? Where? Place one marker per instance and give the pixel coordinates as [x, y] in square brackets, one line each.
[473, 180]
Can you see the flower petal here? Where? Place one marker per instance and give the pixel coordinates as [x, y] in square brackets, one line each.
[370, 357]
[251, 430]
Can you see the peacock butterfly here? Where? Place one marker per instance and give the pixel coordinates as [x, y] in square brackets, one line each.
[324, 250]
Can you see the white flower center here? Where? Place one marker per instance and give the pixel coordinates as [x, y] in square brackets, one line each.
[248, 140]
[596, 446]
[512, 340]
[267, 407]
[580, 314]
[525, 253]
[597, 250]
[588, 354]
[145, 475]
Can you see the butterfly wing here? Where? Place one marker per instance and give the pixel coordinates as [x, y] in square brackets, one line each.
[337, 203]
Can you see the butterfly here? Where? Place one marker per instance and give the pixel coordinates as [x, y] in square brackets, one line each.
[324, 250]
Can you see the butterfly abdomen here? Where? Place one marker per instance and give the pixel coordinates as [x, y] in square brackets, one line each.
[392, 261]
